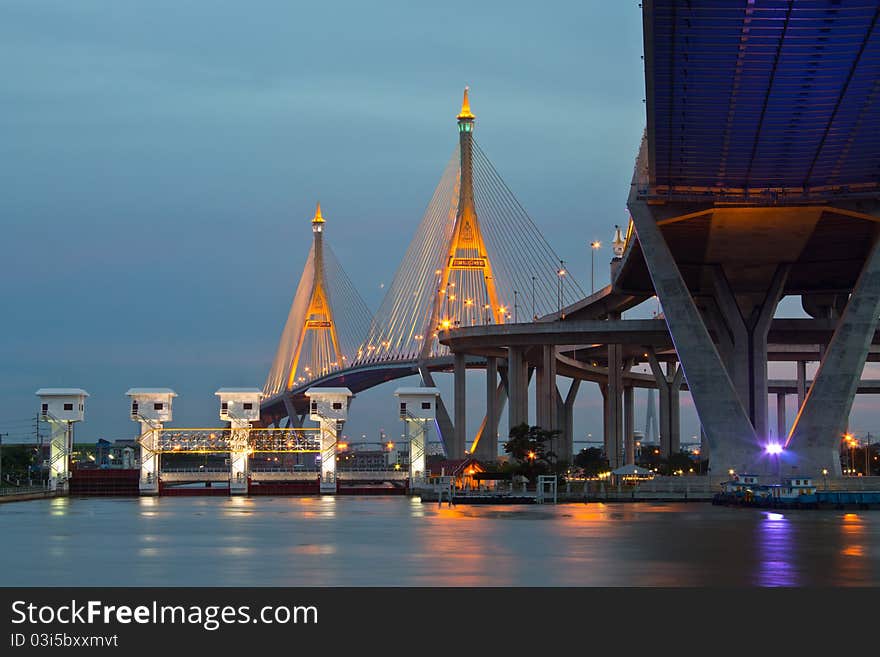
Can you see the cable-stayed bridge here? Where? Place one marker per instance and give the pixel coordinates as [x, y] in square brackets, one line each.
[476, 258]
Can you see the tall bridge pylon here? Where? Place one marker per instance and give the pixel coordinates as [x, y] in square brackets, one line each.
[326, 321]
[476, 258]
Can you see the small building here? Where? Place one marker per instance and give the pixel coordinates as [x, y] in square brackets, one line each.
[62, 404]
[740, 483]
[363, 459]
[630, 475]
[118, 454]
[151, 404]
[462, 471]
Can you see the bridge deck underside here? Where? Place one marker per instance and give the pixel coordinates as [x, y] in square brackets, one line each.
[825, 248]
[746, 97]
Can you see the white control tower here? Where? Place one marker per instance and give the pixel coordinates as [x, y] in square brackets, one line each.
[240, 407]
[329, 407]
[417, 407]
[61, 408]
[151, 407]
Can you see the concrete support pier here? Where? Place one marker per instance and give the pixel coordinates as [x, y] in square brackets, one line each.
[668, 387]
[629, 442]
[517, 393]
[487, 438]
[545, 389]
[729, 431]
[459, 431]
[815, 437]
[614, 406]
[781, 424]
[801, 382]
[566, 421]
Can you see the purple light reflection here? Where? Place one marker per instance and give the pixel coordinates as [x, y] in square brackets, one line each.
[775, 551]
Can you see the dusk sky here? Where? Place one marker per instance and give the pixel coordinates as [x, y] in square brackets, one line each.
[162, 161]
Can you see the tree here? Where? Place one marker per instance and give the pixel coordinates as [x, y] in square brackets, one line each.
[529, 446]
[592, 461]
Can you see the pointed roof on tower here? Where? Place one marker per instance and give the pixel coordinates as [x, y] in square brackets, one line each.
[465, 113]
[318, 219]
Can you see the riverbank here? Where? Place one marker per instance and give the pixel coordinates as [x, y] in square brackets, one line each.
[24, 494]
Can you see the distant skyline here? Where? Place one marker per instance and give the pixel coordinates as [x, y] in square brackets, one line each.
[162, 166]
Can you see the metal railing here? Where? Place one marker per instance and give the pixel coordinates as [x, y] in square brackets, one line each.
[22, 490]
[213, 441]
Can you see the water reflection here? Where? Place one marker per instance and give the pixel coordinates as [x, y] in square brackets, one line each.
[775, 551]
[851, 564]
[399, 541]
[59, 506]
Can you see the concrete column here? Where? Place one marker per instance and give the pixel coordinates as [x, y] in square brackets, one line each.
[545, 389]
[759, 327]
[675, 410]
[747, 364]
[460, 427]
[606, 419]
[444, 423]
[487, 438]
[801, 383]
[815, 437]
[629, 441]
[566, 421]
[614, 435]
[670, 439]
[735, 337]
[665, 425]
[728, 428]
[781, 424]
[517, 387]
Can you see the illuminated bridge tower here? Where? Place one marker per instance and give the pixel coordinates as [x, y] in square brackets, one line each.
[466, 290]
[476, 259]
[311, 344]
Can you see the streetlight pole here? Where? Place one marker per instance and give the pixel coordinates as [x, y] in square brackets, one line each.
[594, 245]
[515, 306]
[534, 314]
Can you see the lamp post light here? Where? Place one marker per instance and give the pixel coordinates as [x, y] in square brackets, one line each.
[534, 314]
[594, 245]
[560, 282]
[825, 477]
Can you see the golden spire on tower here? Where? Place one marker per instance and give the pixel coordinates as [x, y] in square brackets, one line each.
[318, 219]
[465, 108]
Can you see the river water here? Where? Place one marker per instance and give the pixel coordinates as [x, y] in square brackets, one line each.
[398, 541]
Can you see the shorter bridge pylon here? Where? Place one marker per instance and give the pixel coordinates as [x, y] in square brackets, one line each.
[325, 323]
